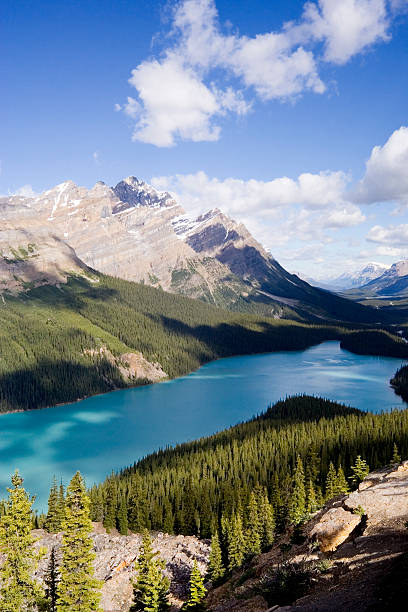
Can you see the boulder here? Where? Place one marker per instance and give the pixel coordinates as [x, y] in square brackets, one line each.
[334, 528]
[385, 500]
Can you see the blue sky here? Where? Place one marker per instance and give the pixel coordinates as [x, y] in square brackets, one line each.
[270, 110]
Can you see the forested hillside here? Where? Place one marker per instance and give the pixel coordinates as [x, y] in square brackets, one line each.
[400, 382]
[61, 343]
[50, 338]
[292, 458]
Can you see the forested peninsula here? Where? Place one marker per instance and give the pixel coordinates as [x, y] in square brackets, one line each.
[292, 458]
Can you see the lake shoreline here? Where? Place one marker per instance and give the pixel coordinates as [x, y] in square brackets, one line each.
[168, 379]
[111, 431]
[164, 380]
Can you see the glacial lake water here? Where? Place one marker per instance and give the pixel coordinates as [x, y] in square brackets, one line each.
[111, 431]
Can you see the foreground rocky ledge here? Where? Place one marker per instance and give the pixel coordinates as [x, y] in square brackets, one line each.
[355, 545]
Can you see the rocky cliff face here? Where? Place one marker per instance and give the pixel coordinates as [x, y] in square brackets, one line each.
[114, 563]
[352, 558]
[31, 254]
[138, 234]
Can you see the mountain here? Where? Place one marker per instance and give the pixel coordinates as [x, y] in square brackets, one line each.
[348, 280]
[392, 283]
[136, 233]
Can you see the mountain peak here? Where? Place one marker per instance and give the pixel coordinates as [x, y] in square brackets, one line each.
[61, 187]
[138, 193]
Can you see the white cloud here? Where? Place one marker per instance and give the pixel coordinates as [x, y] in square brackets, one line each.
[397, 252]
[310, 253]
[393, 235]
[132, 108]
[347, 215]
[399, 6]
[346, 27]
[174, 103]
[273, 68]
[182, 93]
[117, 108]
[96, 157]
[198, 192]
[277, 212]
[386, 175]
[26, 191]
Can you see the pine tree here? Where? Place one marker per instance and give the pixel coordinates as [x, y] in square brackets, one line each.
[253, 531]
[236, 542]
[297, 502]
[396, 457]
[150, 589]
[206, 515]
[96, 498]
[331, 482]
[195, 601]
[188, 516]
[51, 583]
[168, 517]
[215, 566]
[311, 501]
[312, 465]
[138, 514]
[360, 470]
[61, 504]
[78, 591]
[109, 519]
[267, 520]
[54, 518]
[341, 482]
[18, 589]
[122, 517]
[319, 497]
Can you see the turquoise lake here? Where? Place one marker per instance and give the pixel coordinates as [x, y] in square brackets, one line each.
[107, 432]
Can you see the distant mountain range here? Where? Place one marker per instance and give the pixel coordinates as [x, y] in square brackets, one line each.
[391, 284]
[136, 233]
[349, 280]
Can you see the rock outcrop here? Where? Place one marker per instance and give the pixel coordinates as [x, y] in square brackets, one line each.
[115, 557]
[132, 366]
[334, 527]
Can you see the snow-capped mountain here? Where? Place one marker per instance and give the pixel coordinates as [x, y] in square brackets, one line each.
[349, 280]
[392, 283]
[136, 233]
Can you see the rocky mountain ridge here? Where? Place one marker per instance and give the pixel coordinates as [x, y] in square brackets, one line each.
[393, 282]
[139, 234]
